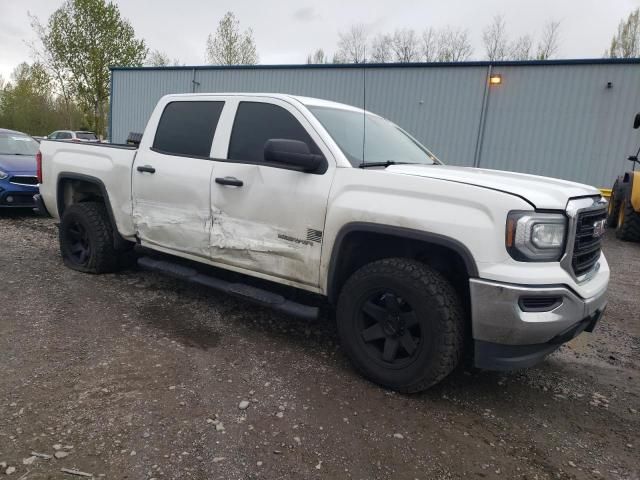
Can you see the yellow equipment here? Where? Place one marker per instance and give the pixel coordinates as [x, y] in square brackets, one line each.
[624, 204]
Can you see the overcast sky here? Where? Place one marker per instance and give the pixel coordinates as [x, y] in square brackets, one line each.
[287, 30]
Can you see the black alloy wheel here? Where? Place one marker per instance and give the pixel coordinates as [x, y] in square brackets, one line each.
[79, 243]
[390, 329]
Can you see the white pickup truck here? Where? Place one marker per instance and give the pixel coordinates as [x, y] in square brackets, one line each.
[420, 262]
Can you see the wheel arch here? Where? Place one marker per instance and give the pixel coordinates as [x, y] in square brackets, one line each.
[74, 187]
[386, 241]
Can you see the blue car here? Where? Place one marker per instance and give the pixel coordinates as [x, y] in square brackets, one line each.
[18, 180]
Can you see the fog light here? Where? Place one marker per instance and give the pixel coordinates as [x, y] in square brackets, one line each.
[9, 199]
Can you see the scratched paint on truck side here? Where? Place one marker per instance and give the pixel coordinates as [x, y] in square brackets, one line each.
[178, 229]
[258, 246]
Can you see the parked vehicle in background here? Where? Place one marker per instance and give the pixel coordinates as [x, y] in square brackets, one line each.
[18, 181]
[74, 136]
[624, 204]
[422, 262]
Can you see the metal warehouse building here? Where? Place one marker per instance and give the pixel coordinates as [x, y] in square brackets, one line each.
[568, 118]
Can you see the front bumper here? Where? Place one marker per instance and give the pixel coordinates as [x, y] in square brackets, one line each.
[508, 335]
[16, 196]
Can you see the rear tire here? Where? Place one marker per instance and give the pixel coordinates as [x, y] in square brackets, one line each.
[628, 228]
[86, 240]
[401, 323]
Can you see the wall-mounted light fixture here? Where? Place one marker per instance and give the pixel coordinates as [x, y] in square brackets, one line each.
[495, 79]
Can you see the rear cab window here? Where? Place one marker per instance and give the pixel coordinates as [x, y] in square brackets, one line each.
[187, 128]
[257, 122]
[86, 136]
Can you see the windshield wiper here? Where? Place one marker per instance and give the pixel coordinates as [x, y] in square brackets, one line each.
[381, 164]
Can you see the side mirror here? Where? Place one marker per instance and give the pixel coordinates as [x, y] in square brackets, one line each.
[636, 121]
[293, 153]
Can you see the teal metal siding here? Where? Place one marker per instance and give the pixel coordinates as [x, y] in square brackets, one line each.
[547, 118]
[563, 121]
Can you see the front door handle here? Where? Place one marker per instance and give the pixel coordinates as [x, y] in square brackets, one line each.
[146, 168]
[233, 181]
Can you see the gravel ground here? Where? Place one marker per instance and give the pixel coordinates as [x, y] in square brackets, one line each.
[138, 376]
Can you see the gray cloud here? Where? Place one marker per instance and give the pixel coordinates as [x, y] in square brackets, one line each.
[286, 30]
[306, 14]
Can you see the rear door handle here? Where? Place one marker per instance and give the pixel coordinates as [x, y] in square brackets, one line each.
[146, 168]
[233, 181]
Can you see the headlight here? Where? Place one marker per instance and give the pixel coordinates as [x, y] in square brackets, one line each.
[535, 237]
[3, 175]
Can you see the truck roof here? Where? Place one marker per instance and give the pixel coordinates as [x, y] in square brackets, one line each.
[308, 101]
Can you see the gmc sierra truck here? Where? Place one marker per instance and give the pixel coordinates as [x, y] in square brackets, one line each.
[421, 263]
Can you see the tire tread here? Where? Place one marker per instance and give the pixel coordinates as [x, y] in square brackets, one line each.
[449, 307]
[104, 257]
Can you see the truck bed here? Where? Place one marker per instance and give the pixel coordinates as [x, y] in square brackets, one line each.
[106, 163]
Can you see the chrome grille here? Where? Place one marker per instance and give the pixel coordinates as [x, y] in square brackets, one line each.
[586, 246]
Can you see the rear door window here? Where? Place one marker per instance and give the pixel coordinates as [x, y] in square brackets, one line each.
[187, 128]
[255, 123]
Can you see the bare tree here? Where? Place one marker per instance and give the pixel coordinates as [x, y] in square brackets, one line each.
[229, 46]
[337, 58]
[495, 41]
[520, 49]
[382, 49]
[454, 45]
[352, 44]
[430, 45]
[317, 57]
[626, 42]
[548, 44]
[406, 46]
[157, 58]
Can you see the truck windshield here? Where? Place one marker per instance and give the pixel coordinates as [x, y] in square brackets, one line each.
[381, 141]
[16, 144]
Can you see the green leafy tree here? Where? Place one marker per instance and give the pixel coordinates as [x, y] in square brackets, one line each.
[84, 38]
[61, 83]
[26, 103]
[230, 46]
[626, 42]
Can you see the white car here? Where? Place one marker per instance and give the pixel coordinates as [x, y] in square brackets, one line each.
[421, 262]
[74, 136]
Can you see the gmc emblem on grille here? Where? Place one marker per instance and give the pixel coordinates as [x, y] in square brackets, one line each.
[598, 228]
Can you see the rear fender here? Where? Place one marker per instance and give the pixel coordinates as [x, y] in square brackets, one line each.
[118, 241]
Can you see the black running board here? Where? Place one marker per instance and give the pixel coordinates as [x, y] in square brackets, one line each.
[240, 290]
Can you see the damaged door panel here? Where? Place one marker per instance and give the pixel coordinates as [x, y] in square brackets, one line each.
[171, 180]
[273, 222]
[171, 206]
[264, 225]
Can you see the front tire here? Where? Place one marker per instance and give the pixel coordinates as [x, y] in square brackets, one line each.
[86, 239]
[628, 228]
[401, 323]
[613, 210]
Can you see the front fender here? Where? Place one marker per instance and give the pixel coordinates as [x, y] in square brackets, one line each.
[470, 217]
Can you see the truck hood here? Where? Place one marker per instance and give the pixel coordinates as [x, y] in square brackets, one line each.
[14, 164]
[542, 192]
